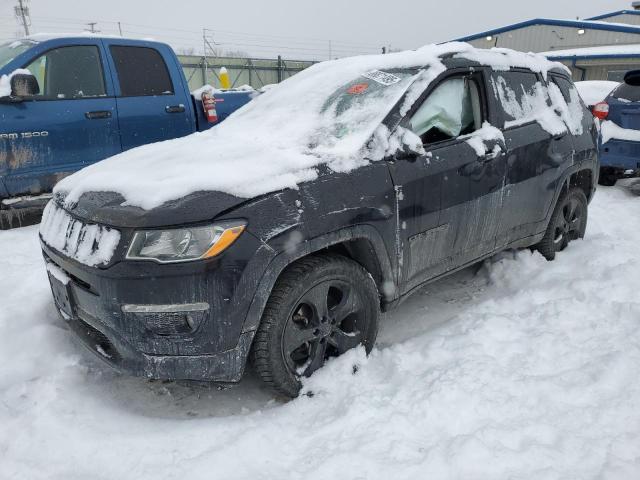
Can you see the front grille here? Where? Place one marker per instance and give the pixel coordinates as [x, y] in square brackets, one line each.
[90, 244]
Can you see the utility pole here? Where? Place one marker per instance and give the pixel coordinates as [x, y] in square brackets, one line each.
[120, 28]
[204, 53]
[22, 14]
[92, 27]
[207, 44]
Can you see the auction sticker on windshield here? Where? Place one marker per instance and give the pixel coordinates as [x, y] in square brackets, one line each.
[383, 78]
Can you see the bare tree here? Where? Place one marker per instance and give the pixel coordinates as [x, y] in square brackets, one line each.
[236, 54]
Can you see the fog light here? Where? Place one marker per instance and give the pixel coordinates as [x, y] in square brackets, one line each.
[167, 320]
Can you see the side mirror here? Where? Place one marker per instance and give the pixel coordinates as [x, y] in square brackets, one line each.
[24, 85]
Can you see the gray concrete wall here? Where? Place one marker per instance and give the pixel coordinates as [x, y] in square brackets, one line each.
[542, 38]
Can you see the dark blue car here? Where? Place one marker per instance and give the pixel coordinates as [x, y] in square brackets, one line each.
[620, 136]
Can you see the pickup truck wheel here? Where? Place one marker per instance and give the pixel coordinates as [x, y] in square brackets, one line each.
[608, 179]
[321, 307]
[568, 222]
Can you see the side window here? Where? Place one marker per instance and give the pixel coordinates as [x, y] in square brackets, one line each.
[68, 73]
[521, 96]
[568, 90]
[141, 71]
[451, 110]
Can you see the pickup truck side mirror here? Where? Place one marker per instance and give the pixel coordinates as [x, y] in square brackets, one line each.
[24, 85]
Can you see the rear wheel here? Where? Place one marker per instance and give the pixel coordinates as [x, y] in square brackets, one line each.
[321, 307]
[568, 223]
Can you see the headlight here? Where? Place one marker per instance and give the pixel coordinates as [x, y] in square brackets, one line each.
[184, 244]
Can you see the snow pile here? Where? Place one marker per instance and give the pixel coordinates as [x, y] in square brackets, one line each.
[504, 59]
[595, 91]
[89, 244]
[211, 90]
[278, 140]
[612, 131]
[605, 51]
[5, 81]
[488, 133]
[526, 369]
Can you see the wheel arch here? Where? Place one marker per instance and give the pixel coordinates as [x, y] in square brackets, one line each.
[362, 244]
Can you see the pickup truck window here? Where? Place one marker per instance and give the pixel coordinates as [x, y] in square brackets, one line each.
[141, 71]
[68, 73]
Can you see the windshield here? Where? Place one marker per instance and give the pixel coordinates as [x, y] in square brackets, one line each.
[352, 112]
[627, 92]
[10, 50]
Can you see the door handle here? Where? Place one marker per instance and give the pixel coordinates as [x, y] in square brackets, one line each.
[491, 156]
[174, 108]
[561, 135]
[98, 114]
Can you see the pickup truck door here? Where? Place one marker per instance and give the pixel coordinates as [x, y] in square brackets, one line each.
[70, 124]
[153, 101]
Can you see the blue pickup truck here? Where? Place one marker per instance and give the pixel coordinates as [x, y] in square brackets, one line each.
[68, 102]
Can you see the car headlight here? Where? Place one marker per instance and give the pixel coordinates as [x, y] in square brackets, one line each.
[184, 244]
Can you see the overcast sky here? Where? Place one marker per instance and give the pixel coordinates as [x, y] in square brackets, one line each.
[296, 28]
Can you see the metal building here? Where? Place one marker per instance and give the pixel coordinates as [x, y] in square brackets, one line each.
[598, 48]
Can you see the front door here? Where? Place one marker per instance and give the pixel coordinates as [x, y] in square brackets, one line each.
[450, 198]
[71, 123]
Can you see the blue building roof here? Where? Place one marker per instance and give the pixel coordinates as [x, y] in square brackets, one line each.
[615, 14]
[586, 24]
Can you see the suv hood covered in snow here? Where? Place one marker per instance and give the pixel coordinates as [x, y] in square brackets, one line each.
[110, 209]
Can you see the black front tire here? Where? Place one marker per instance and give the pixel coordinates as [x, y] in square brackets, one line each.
[568, 223]
[320, 307]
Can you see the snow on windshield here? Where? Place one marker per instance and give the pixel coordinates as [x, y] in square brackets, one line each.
[323, 115]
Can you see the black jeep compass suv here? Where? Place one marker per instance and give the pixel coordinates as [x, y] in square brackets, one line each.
[472, 152]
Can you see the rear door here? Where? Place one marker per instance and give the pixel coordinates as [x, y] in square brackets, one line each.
[449, 199]
[151, 101]
[537, 155]
[71, 123]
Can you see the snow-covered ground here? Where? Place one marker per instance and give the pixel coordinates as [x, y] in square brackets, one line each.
[518, 369]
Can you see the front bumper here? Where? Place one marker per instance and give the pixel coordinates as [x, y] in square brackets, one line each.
[121, 312]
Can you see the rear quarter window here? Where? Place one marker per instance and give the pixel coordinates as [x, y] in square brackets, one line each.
[141, 71]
